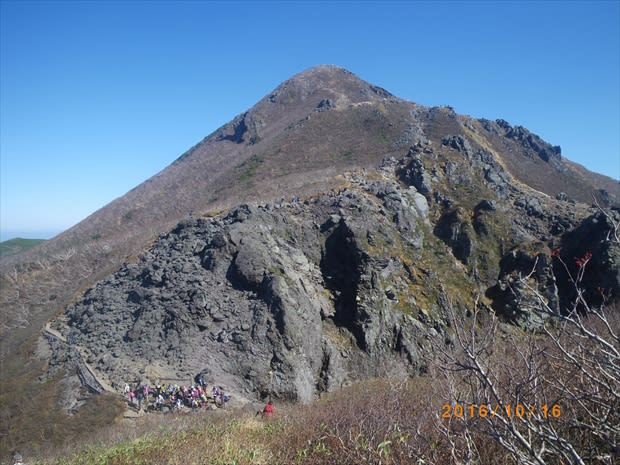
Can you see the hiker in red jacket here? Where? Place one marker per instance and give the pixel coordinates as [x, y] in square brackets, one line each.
[269, 410]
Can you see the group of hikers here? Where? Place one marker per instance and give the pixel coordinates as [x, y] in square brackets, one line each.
[174, 397]
[168, 397]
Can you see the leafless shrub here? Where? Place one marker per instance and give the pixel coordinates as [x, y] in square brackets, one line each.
[545, 398]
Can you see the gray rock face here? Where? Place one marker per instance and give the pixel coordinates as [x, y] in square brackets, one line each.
[597, 236]
[458, 143]
[547, 152]
[518, 301]
[289, 300]
[456, 231]
[276, 301]
[324, 105]
[415, 174]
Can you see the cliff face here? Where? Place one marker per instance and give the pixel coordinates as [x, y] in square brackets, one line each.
[296, 297]
[287, 299]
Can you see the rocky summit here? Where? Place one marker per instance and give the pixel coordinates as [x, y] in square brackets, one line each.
[318, 238]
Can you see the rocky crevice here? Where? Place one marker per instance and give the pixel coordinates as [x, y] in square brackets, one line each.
[341, 265]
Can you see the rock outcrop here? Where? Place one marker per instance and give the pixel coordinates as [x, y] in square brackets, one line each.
[284, 300]
[292, 299]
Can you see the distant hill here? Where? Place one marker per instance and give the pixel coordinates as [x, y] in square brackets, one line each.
[18, 245]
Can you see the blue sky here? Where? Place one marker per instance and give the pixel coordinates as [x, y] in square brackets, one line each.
[98, 96]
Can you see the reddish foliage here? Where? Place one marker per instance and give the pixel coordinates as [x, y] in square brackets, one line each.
[581, 262]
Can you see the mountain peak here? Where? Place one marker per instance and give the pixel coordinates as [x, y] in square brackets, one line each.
[322, 80]
[323, 70]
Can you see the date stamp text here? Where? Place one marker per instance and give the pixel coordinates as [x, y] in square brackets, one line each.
[458, 410]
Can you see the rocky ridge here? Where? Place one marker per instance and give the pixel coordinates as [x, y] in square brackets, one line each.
[292, 298]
